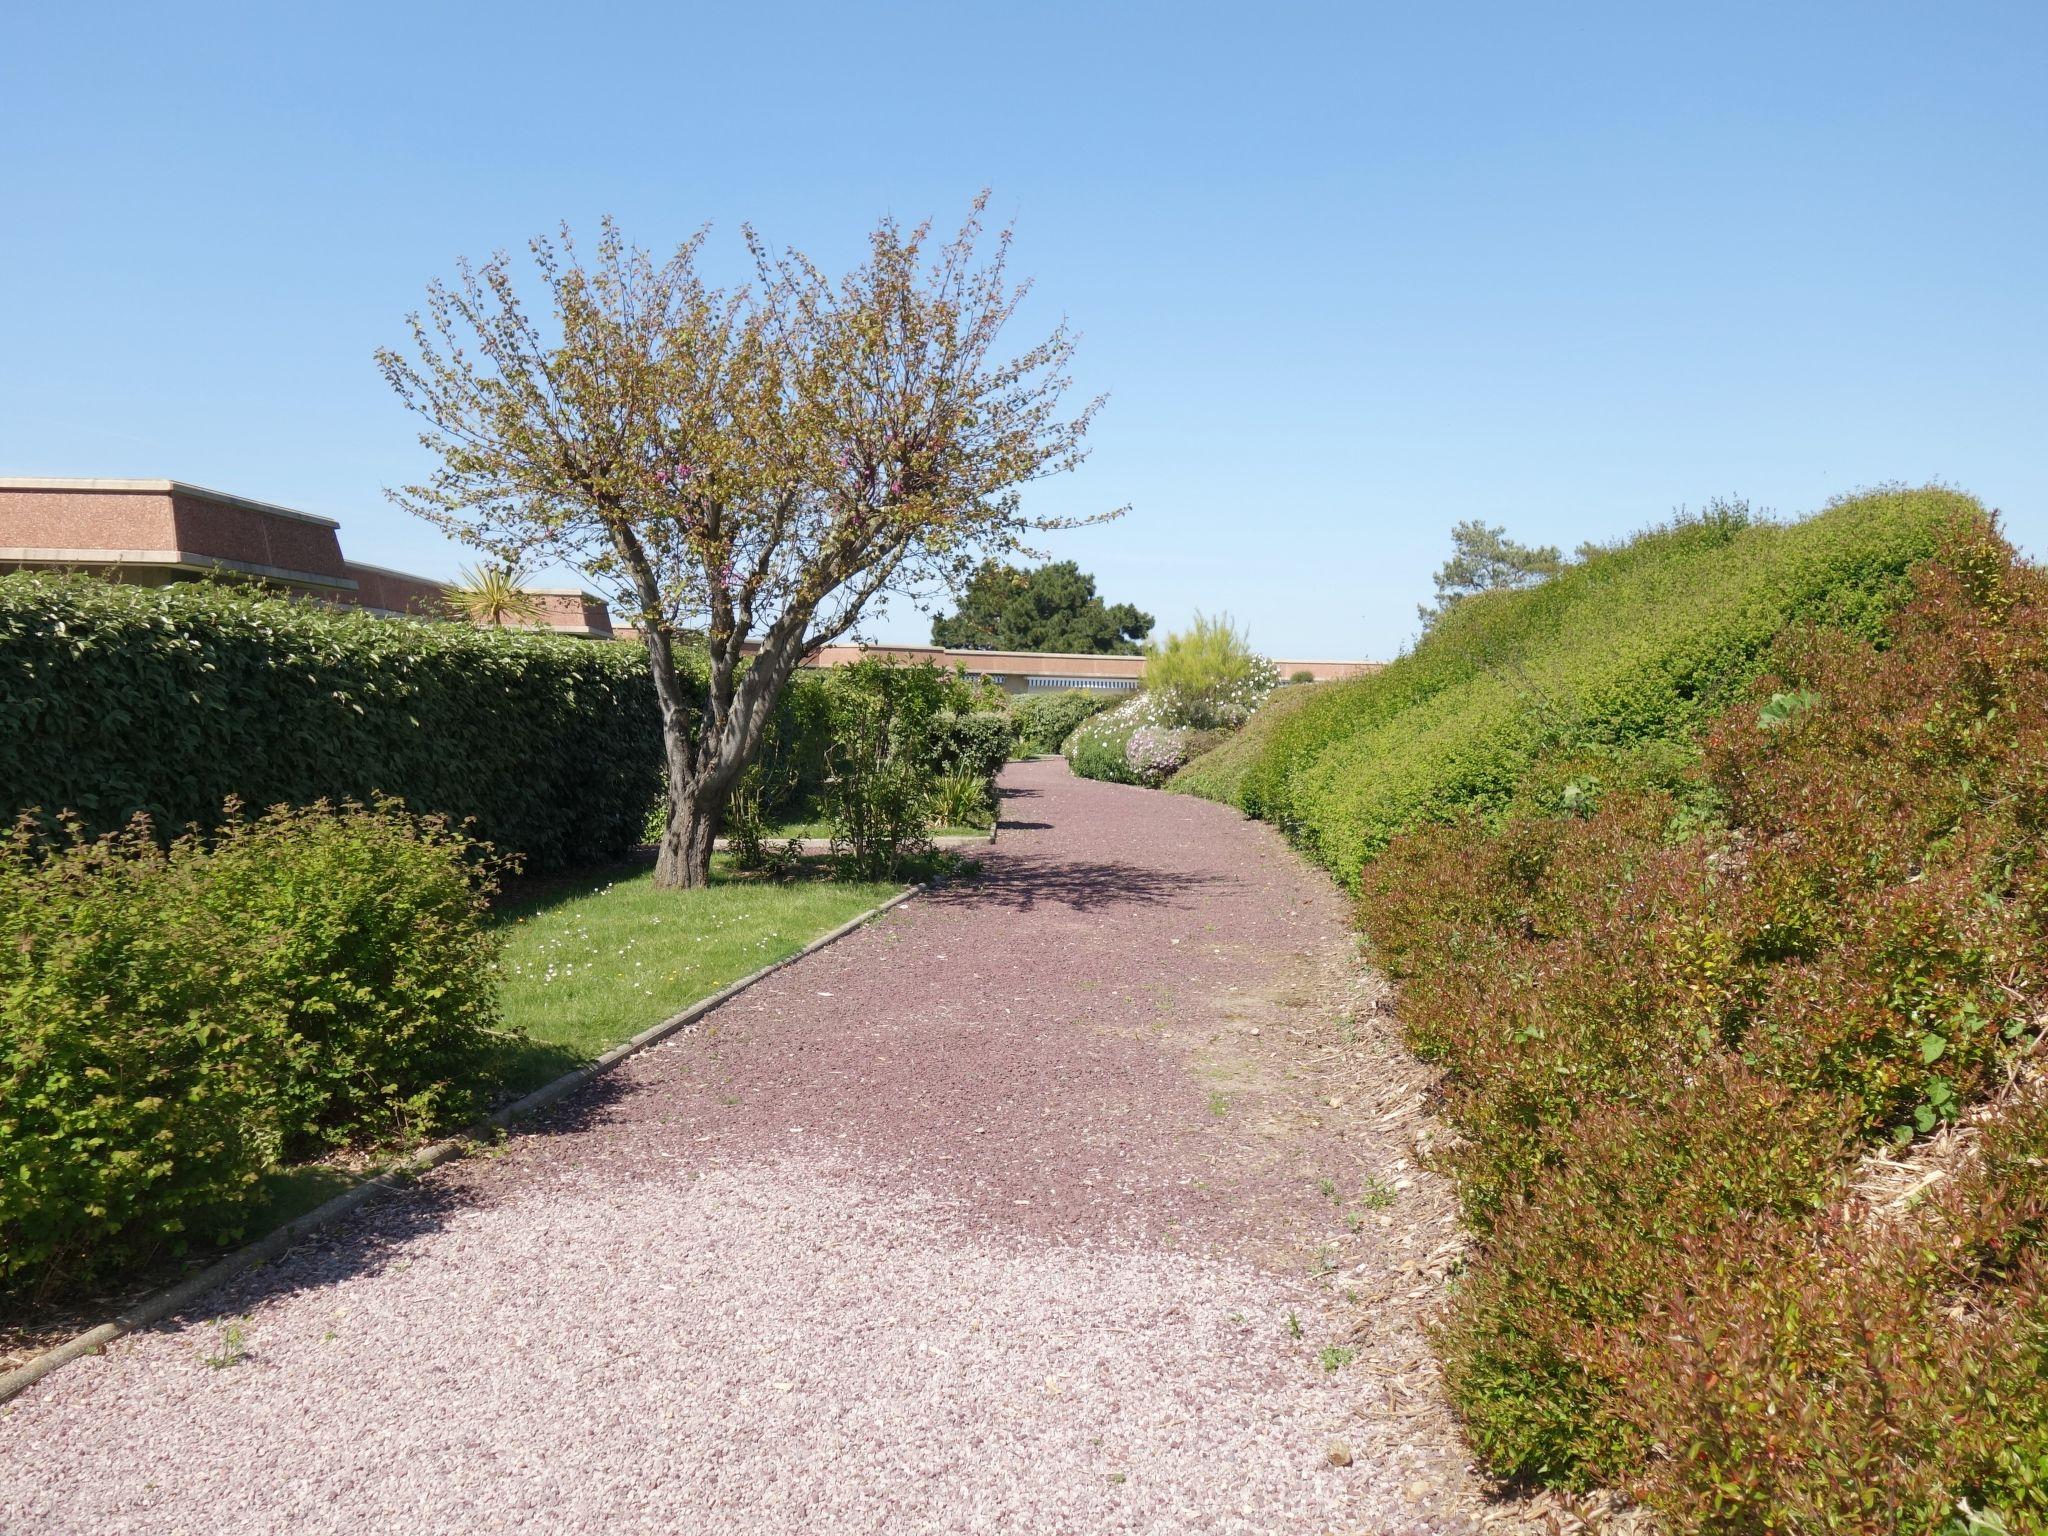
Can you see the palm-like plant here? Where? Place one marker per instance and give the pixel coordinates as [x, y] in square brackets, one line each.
[493, 596]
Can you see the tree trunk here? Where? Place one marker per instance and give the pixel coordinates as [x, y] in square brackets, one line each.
[683, 861]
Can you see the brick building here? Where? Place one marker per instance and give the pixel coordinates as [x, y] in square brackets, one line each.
[158, 531]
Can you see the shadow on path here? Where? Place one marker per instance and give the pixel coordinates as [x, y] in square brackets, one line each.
[1021, 882]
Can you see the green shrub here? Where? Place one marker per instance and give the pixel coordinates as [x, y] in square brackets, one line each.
[1045, 720]
[361, 934]
[175, 1019]
[173, 700]
[1639, 643]
[895, 732]
[1218, 774]
[975, 743]
[963, 799]
[1675, 993]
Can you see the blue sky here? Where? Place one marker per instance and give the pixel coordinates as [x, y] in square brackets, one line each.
[1350, 273]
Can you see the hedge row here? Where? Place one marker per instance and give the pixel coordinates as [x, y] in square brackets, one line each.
[176, 1020]
[1641, 642]
[172, 700]
[1677, 996]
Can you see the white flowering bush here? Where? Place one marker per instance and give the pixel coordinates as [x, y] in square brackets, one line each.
[1199, 685]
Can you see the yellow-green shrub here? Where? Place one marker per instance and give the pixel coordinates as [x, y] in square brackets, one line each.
[1639, 643]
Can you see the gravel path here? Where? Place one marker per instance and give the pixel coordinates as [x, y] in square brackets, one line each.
[1080, 1198]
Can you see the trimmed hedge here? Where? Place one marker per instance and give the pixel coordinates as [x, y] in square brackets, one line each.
[1675, 1002]
[1045, 720]
[176, 1020]
[1639, 643]
[172, 700]
[1219, 774]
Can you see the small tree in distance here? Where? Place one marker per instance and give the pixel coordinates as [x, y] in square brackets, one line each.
[1485, 559]
[1207, 675]
[750, 470]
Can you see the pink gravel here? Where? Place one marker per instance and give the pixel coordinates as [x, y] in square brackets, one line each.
[946, 1228]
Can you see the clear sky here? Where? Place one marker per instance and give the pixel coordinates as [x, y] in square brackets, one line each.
[1349, 272]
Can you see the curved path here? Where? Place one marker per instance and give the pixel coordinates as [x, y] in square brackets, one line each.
[1078, 1198]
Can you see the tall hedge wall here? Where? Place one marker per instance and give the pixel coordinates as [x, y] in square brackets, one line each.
[169, 700]
[1638, 643]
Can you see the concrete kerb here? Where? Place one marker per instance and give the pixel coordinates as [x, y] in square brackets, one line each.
[175, 1298]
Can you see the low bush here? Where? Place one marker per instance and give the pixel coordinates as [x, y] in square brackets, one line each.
[1635, 644]
[1881, 1372]
[1674, 992]
[173, 700]
[972, 742]
[1044, 721]
[174, 1019]
[1099, 746]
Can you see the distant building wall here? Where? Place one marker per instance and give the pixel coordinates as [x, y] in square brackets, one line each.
[1051, 672]
[163, 530]
[157, 531]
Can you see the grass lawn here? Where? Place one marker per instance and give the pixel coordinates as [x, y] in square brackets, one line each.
[599, 959]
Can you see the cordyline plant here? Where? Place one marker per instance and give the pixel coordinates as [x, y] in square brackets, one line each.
[751, 469]
[491, 597]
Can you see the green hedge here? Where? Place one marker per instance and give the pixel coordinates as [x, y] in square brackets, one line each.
[176, 1020]
[1638, 643]
[1219, 774]
[172, 700]
[1045, 720]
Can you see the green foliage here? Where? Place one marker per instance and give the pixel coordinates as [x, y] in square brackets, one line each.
[493, 595]
[1050, 608]
[962, 799]
[174, 1019]
[1218, 774]
[174, 700]
[1207, 676]
[360, 934]
[1485, 559]
[970, 743]
[1044, 721]
[897, 733]
[1675, 993]
[1635, 644]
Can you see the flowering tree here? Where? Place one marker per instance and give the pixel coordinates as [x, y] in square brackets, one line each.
[748, 470]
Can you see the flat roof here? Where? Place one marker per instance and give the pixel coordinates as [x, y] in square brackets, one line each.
[161, 488]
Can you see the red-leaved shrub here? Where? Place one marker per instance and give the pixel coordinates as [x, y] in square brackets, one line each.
[1671, 1008]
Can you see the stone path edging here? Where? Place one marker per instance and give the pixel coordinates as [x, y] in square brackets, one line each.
[176, 1298]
